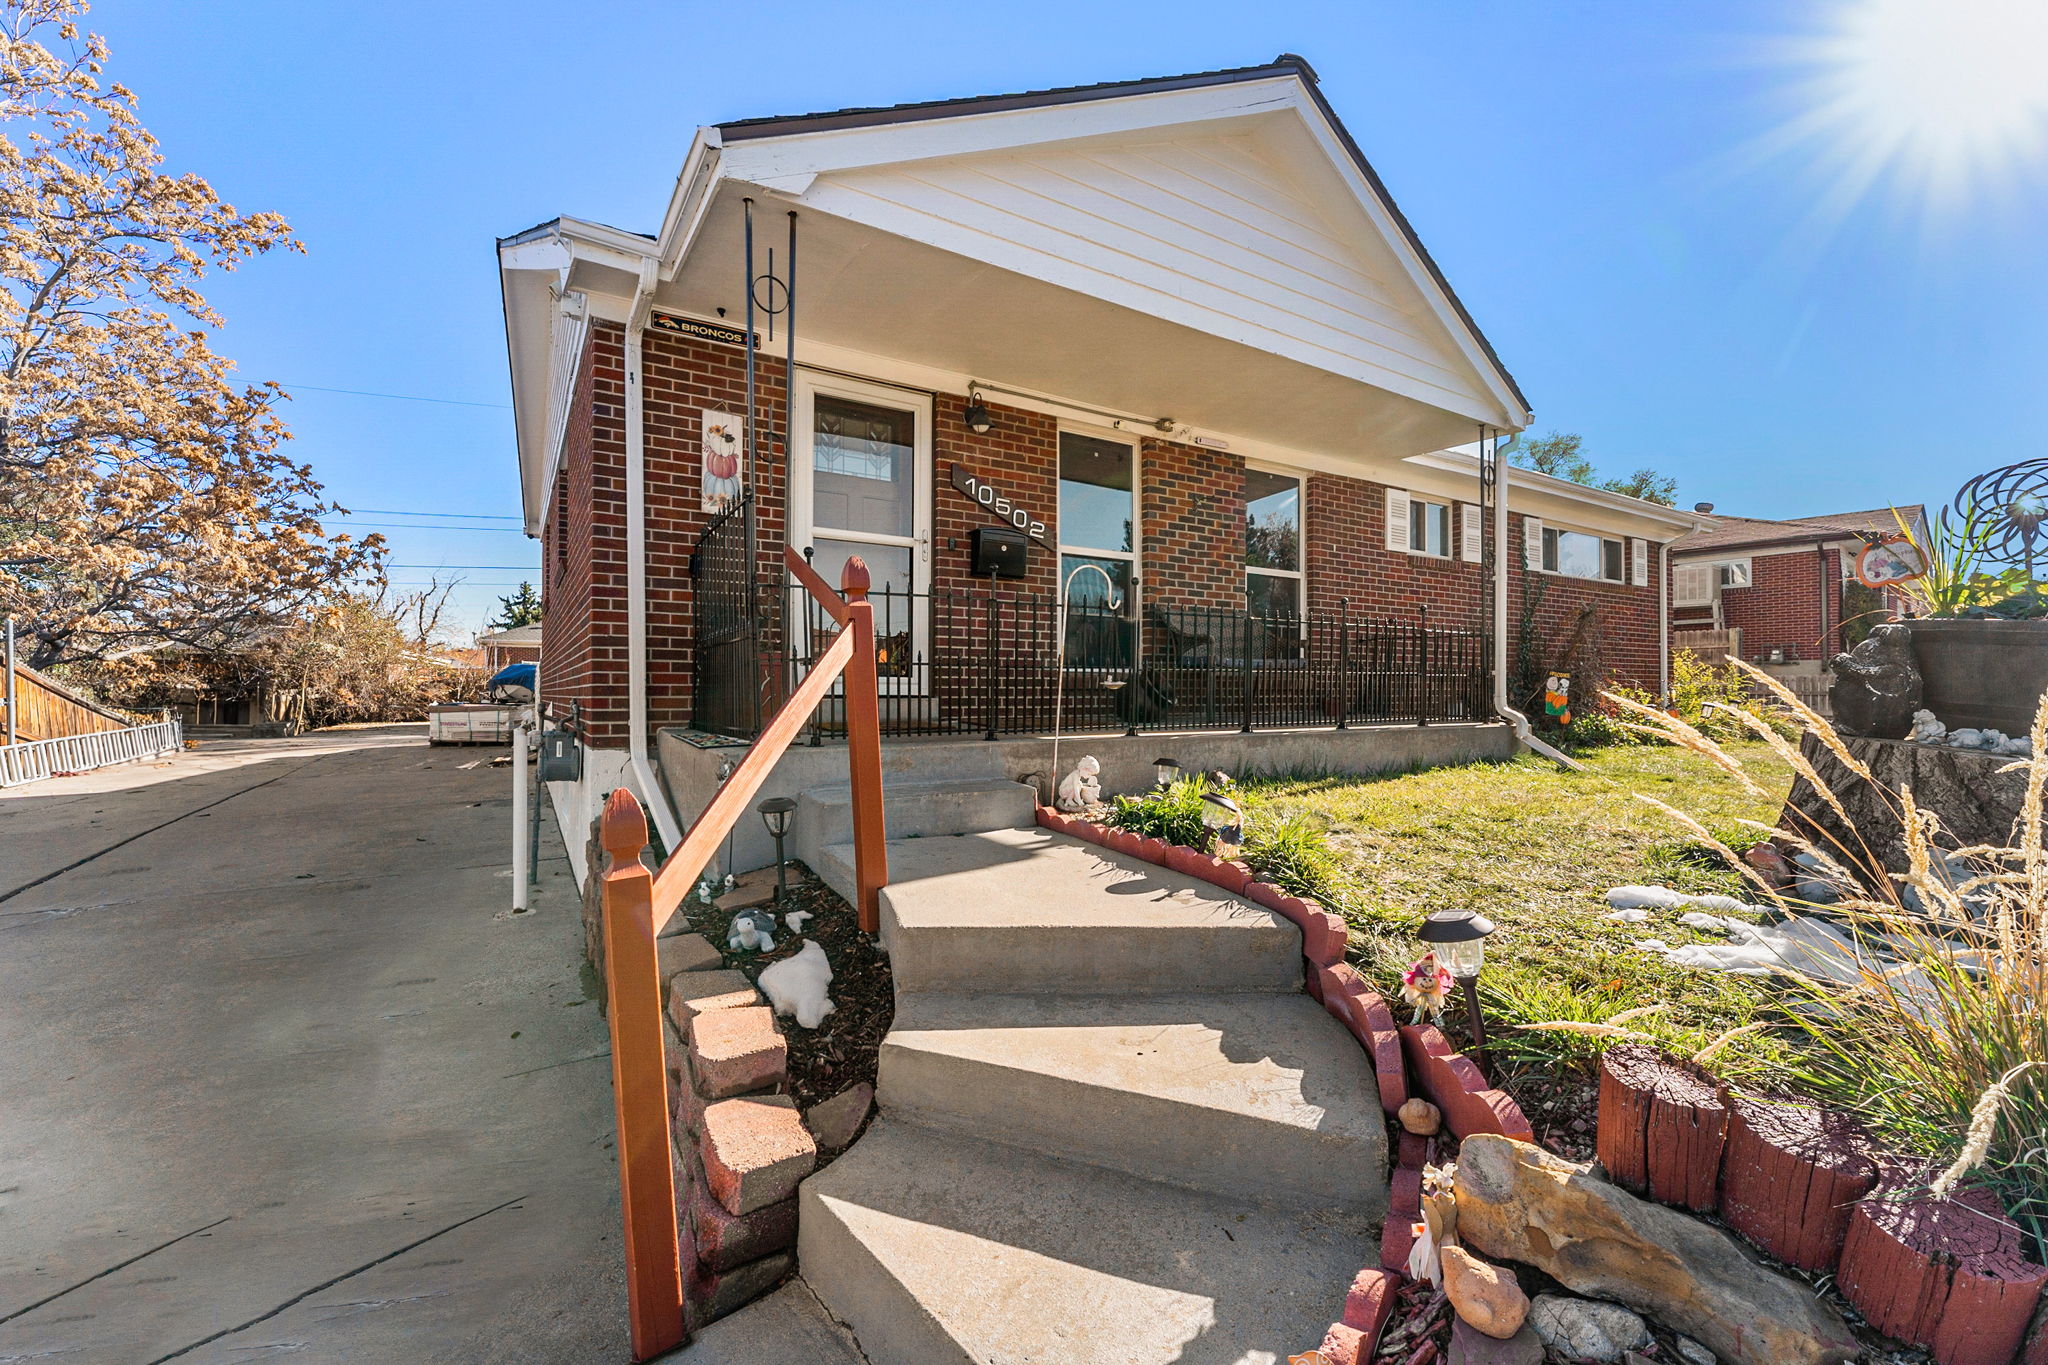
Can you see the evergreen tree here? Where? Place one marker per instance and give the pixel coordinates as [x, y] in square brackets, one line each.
[522, 608]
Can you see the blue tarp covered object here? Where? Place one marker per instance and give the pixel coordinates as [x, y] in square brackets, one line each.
[513, 682]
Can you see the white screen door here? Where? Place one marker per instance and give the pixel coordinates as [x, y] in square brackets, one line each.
[860, 485]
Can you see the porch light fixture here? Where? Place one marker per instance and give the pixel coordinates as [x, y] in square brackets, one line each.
[1166, 770]
[1224, 818]
[775, 813]
[976, 417]
[1458, 940]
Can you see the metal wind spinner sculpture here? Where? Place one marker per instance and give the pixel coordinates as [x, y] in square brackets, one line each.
[2005, 511]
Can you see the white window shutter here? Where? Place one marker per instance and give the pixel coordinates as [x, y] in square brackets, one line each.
[1692, 585]
[1532, 543]
[1639, 562]
[1397, 520]
[1473, 529]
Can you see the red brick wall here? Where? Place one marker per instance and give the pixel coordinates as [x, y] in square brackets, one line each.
[1781, 608]
[1191, 525]
[1350, 568]
[1192, 539]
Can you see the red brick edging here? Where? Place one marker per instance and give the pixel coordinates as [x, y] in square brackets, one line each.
[1406, 1060]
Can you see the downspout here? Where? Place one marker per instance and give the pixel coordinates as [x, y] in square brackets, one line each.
[652, 794]
[1664, 622]
[1507, 712]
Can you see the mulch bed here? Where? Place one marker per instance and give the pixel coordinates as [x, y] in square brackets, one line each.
[840, 1053]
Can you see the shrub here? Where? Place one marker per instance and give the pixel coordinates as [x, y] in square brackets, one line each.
[1292, 852]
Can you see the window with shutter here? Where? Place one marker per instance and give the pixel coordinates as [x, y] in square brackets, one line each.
[1532, 543]
[1639, 563]
[1471, 531]
[1397, 520]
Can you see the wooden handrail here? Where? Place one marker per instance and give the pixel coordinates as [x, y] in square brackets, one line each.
[638, 905]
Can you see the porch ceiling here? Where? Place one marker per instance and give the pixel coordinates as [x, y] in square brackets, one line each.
[867, 290]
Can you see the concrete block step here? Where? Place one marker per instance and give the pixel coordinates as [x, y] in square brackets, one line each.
[916, 809]
[1259, 1096]
[938, 1249]
[1026, 910]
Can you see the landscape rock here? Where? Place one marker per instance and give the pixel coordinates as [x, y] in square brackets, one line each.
[1486, 1296]
[1586, 1330]
[1876, 686]
[1472, 1347]
[1694, 1353]
[1421, 1117]
[834, 1122]
[1518, 1202]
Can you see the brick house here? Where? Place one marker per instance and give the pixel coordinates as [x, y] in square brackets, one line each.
[513, 645]
[1162, 350]
[1783, 593]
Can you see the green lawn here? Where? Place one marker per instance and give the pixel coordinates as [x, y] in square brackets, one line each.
[1535, 848]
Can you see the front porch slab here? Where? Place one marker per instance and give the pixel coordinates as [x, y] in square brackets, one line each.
[691, 772]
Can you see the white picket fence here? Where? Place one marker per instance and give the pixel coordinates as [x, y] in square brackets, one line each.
[39, 758]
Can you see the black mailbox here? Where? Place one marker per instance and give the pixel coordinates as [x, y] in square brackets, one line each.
[561, 757]
[1000, 551]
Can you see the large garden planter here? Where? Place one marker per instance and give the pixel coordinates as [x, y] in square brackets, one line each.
[1982, 674]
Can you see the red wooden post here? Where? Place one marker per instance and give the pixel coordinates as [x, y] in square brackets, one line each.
[654, 1271]
[864, 748]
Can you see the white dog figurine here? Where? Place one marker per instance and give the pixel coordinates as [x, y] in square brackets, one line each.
[796, 985]
[1082, 787]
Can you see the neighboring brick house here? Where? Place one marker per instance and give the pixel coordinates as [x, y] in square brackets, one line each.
[1174, 330]
[515, 645]
[1784, 592]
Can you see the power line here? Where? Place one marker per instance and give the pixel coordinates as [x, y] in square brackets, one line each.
[466, 516]
[508, 568]
[415, 526]
[401, 397]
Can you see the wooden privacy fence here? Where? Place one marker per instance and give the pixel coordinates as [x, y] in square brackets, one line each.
[638, 904]
[46, 709]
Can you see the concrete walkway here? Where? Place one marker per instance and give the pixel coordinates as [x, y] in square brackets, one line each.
[281, 1075]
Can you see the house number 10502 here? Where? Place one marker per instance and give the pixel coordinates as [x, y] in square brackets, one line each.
[984, 494]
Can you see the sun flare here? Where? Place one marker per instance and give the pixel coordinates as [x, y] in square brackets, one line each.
[1941, 102]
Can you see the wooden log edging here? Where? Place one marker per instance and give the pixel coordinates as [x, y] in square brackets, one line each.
[1806, 1184]
[1662, 1127]
[1943, 1274]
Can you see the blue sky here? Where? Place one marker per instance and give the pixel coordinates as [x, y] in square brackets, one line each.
[1589, 176]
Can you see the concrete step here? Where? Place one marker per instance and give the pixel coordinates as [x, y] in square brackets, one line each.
[1258, 1096]
[938, 1249]
[914, 810]
[1026, 910]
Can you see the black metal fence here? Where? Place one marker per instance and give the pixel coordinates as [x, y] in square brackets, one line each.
[976, 662]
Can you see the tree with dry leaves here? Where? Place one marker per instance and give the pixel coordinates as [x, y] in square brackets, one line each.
[144, 495]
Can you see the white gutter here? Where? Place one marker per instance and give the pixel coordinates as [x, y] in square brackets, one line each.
[651, 794]
[1664, 622]
[1500, 617]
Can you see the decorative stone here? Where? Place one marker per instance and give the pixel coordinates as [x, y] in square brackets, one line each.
[1876, 687]
[692, 993]
[745, 897]
[686, 953]
[1421, 1117]
[1694, 1353]
[755, 1151]
[1518, 1202]
[834, 1122]
[733, 1051]
[1486, 1296]
[1586, 1330]
[709, 1295]
[1470, 1346]
[727, 1240]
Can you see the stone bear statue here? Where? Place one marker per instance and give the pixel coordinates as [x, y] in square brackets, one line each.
[1876, 686]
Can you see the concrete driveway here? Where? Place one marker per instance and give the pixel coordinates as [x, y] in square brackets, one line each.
[280, 1074]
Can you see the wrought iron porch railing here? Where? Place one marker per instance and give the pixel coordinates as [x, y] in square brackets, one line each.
[973, 662]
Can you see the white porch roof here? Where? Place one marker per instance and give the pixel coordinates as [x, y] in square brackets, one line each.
[1207, 252]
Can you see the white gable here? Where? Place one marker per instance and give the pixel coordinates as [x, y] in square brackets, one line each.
[1236, 213]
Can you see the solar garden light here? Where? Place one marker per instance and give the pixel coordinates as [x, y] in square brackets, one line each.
[1166, 771]
[1457, 938]
[1224, 818]
[775, 812]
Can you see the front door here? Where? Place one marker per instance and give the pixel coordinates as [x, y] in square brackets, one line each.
[859, 486]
